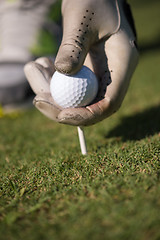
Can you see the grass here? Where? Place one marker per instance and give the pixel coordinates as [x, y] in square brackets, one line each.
[49, 191]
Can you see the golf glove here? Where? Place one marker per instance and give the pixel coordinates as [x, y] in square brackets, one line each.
[101, 35]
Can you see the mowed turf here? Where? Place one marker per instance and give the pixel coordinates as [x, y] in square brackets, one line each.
[48, 190]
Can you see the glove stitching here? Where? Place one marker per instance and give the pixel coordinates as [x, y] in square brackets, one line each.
[81, 44]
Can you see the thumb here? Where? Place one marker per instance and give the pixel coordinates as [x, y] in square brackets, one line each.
[78, 36]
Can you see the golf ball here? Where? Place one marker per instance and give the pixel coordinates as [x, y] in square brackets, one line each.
[78, 90]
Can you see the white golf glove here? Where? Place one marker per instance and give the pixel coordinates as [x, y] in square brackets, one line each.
[99, 34]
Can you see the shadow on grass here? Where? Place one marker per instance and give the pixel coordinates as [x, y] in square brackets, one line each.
[138, 126]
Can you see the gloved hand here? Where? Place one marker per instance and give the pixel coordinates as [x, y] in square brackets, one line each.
[99, 34]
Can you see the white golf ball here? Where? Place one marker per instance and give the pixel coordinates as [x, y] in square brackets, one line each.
[78, 90]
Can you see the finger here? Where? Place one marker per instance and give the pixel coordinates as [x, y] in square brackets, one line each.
[85, 116]
[122, 58]
[46, 105]
[78, 35]
[37, 76]
[48, 64]
[75, 116]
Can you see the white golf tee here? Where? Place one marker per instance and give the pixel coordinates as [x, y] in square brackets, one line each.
[82, 141]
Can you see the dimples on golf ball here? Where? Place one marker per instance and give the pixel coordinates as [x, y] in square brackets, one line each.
[74, 91]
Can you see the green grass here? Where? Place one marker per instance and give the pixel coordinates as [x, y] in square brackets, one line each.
[49, 191]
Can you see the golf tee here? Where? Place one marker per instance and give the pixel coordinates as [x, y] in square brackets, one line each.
[82, 141]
